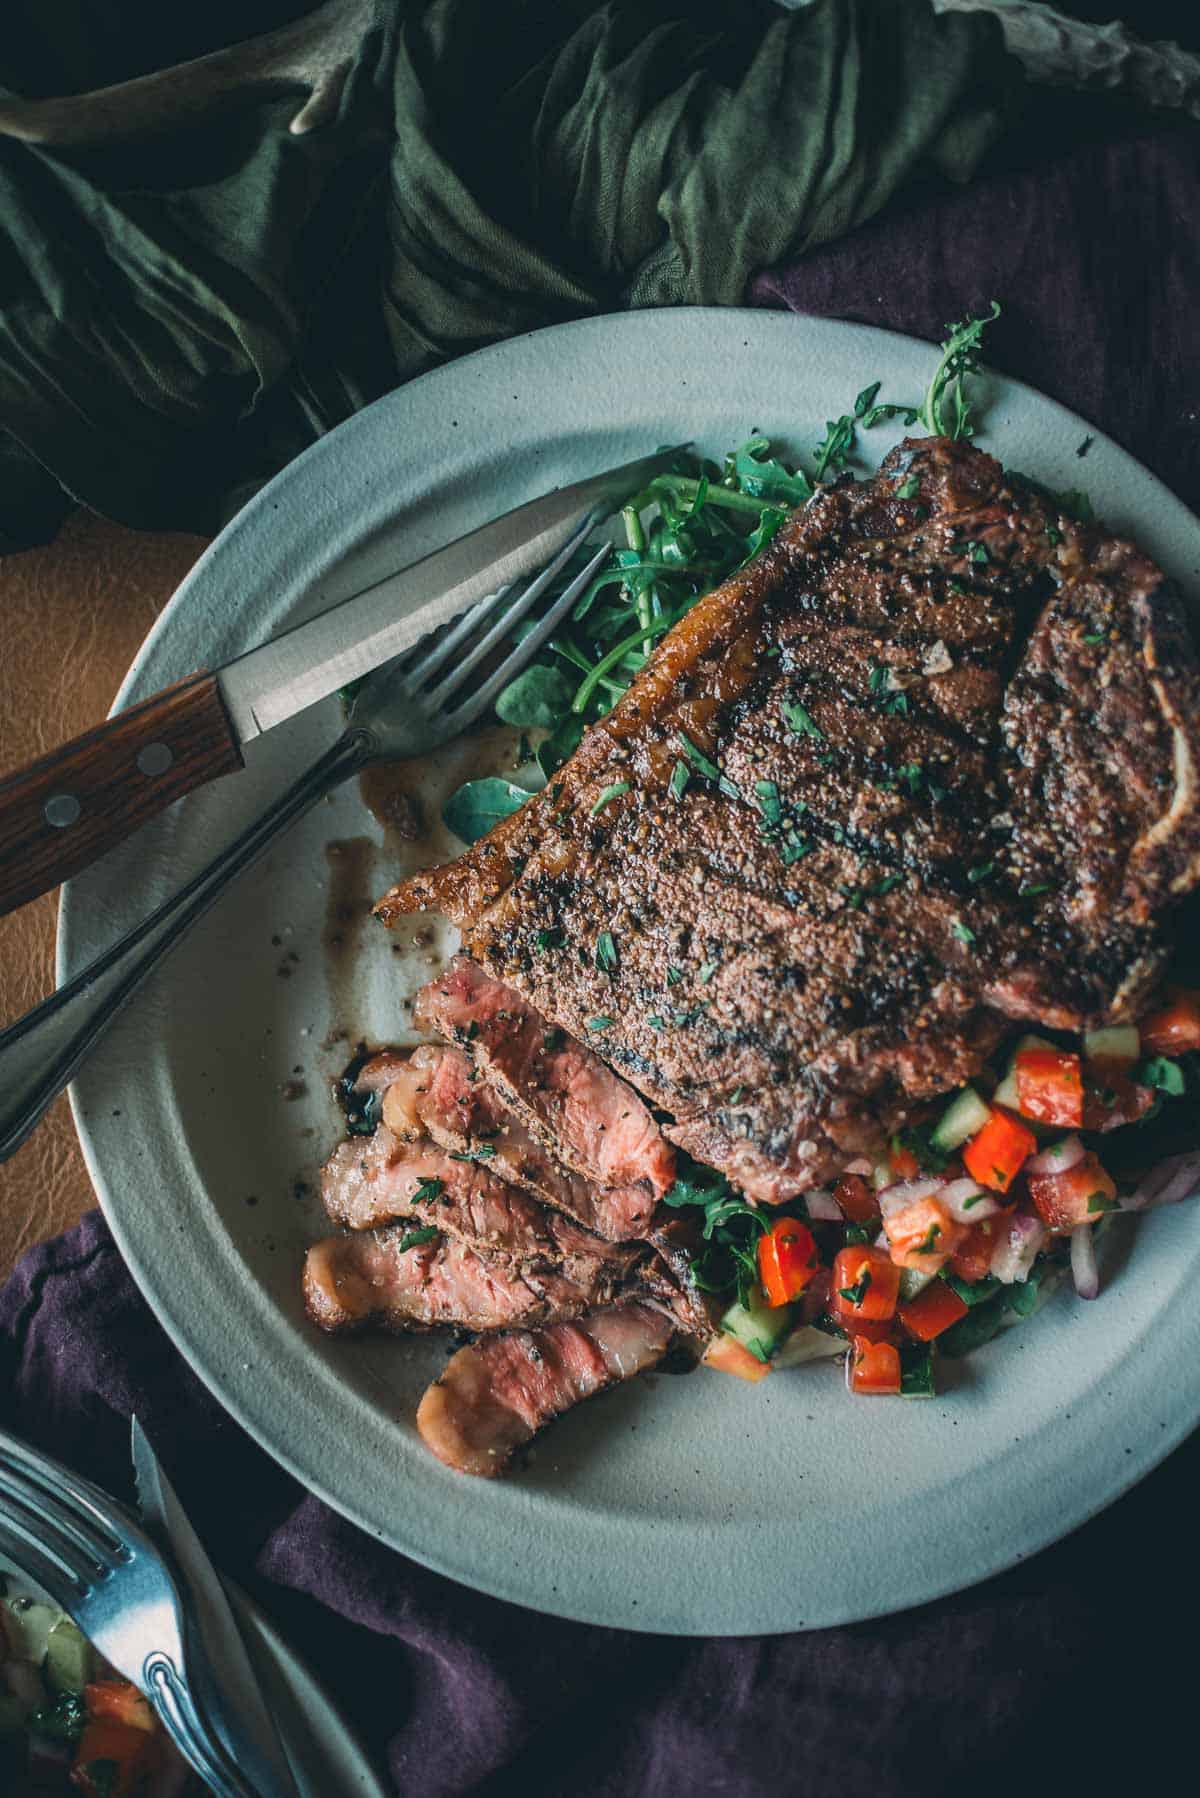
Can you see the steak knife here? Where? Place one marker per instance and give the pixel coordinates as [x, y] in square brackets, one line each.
[228, 1691]
[65, 810]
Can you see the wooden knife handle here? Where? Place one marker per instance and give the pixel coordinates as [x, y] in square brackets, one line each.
[65, 810]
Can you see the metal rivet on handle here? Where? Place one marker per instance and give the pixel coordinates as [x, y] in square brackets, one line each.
[155, 758]
[61, 809]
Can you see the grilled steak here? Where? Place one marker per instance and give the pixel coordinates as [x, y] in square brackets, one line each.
[585, 1115]
[496, 1394]
[441, 1092]
[925, 767]
[368, 1278]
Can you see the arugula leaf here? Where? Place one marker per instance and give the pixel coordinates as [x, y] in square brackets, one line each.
[562, 742]
[427, 1191]
[479, 805]
[703, 765]
[609, 794]
[764, 477]
[539, 696]
[945, 410]
[800, 720]
[606, 951]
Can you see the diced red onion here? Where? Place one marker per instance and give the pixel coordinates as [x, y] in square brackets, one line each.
[1059, 1158]
[1017, 1249]
[966, 1200]
[906, 1192]
[881, 1241]
[823, 1206]
[862, 1166]
[1172, 1180]
[25, 1682]
[1084, 1271]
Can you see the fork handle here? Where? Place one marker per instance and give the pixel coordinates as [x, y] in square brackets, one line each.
[41, 1051]
[199, 1745]
[65, 810]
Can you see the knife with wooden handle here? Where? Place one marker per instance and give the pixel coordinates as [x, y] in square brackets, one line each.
[64, 811]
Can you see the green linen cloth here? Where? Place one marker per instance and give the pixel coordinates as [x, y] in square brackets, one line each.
[180, 315]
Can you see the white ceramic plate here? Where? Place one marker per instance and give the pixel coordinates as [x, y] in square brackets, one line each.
[325, 1758]
[684, 1505]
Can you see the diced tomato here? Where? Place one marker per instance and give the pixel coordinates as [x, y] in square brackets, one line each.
[1111, 1099]
[1050, 1087]
[112, 1760]
[120, 1701]
[1080, 1196]
[873, 1366]
[1176, 1028]
[856, 1199]
[728, 1355]
[973, 1256]
[866, 1284]
[902, 1161]
[923, 1235]
[787, 1260]
[933, 1311]
[996, 1154]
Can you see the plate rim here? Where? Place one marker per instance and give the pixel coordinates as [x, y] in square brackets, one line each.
[516, 1590]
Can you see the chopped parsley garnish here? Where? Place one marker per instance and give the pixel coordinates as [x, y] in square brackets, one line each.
[888, 884]
[415, 1239]
[1033, 892]
[674, 976]
[962, 931]
[703, 765]
[1081, 449]
[792, 848]
[910, 488]
[484, 1151]
[928, 1246]
[679, 779]
[800, 720]
[970, 1204]
[609, 794]
[1095, 636]
[877, 679]
[911, 774]
[606, 952]
[428, 1191]
[551, 1040]
[977, 551]
[548, 939]
[681, 1019]
[736, 1095]
[854, 1295]
[707, 971]
[768, 799]
[982, 872]
[600, 1023]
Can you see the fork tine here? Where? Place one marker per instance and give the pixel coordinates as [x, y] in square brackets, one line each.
[529, 646]
[43, 1536]
[73, 1534]
[445, 646]
[513, 615]
[28, 1554]
[63, 1493]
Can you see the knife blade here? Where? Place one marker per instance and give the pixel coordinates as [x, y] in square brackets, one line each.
[301, 666]
[228, 1687]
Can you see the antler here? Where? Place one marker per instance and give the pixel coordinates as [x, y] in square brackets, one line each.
[316, 52]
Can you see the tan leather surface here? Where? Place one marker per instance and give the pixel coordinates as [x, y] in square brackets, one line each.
[71, 618]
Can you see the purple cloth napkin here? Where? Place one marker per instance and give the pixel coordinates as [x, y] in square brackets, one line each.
[1039, 1680]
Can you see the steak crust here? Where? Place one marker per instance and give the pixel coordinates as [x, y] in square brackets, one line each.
[958, 739]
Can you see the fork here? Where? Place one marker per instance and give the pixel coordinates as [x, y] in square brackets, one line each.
[410, 705]
[94, 1560]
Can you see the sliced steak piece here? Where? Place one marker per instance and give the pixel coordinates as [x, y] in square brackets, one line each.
[440, 1092]
[589, 1118]
[369, 1181]
[957, 738]
[369, 1278]
[497, 1394]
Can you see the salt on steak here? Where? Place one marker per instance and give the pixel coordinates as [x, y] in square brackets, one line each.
[926, 767]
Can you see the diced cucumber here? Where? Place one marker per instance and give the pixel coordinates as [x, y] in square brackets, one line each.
[882, 1175]
[1006, 1093]
[913, 1280]
[916, 1370]
[757, 1326]
[70, 1659]
[35, 1621]
[965, 1115]
[807, 1344]
[1118, 1042]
